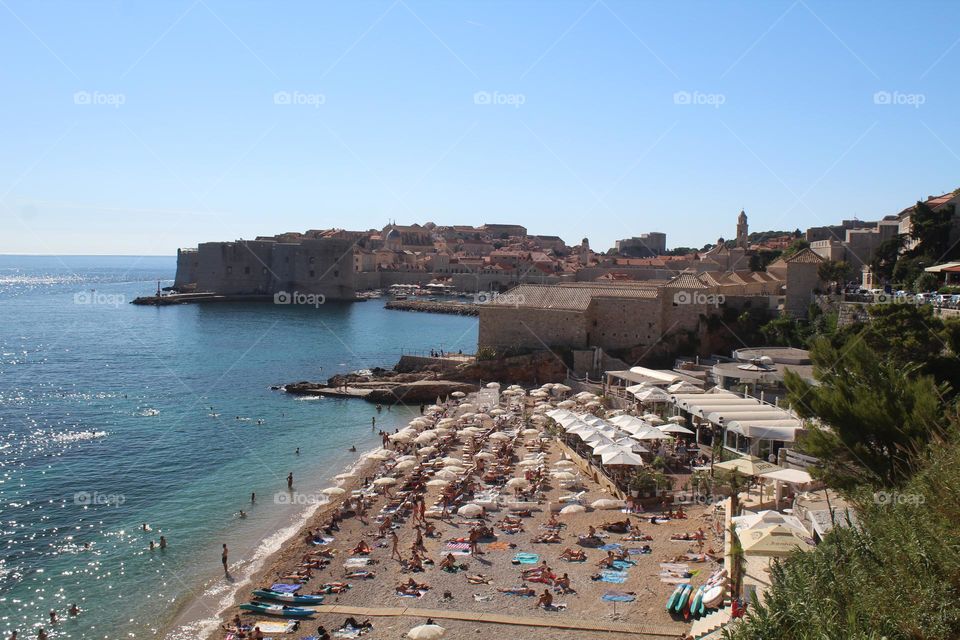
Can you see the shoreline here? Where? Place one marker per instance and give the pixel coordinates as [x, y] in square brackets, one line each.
[207, 626]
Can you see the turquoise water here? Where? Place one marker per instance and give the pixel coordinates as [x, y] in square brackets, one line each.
[106, 423]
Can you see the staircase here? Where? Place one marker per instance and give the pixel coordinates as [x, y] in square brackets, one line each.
[710, 623]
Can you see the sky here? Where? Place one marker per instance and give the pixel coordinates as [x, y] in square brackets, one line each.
[141, 127]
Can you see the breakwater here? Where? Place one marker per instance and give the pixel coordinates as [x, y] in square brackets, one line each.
[426, 306]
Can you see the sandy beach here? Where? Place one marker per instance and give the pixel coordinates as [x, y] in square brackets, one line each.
[471, 607]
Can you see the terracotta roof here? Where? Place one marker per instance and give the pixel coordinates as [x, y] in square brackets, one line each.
[805, 256]
[568, 297]
[685, 280]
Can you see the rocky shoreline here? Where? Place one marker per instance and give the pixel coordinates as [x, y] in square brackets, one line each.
[383, 387]
[427, 306]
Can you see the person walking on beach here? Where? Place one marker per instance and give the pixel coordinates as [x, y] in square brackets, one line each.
[290, 480]
[395, 546]
[223, 557]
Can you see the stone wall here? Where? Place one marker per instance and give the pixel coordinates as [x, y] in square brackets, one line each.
[502, 326]
[265, 267]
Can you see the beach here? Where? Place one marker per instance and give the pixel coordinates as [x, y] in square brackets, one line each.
[478, 605]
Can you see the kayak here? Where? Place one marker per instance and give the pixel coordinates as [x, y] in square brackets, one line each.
[684, 597]
[277, 610]
[672, 600]
[697, 601]
[292, 598]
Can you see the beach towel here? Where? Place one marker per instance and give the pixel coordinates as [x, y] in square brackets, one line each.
[526, 558]
[321, 541]
[479, 597]
[613, 577]
[274, 626]
[613, 546]
[638, 552]
[618, 596]
[556, 607]
[353, 563]
[498, 546]
[623, 565]
[285, 588]
[458, 548]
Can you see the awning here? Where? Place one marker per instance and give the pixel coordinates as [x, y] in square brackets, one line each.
[794, 476]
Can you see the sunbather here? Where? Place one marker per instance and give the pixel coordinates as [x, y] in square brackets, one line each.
[518, 591]
[550, 537]
[545, 600]
[573, 556]
[362, 549]
[562, 584]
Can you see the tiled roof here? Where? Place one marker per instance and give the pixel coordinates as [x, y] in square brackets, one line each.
[686, 280]
[804, 256]
[568, 297]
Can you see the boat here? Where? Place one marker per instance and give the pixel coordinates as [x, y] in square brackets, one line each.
[292, 598]
[280, 610]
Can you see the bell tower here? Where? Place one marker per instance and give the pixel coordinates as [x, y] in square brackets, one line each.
[742, 233]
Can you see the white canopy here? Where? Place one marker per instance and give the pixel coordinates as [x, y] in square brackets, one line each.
[622, 457]
[794, 476]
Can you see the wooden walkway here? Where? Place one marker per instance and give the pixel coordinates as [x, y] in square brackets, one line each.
[636, 629]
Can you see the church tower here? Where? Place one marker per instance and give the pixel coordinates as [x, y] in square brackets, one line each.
[742, 242]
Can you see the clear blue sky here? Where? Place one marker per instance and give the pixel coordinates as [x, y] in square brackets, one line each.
[385, 123]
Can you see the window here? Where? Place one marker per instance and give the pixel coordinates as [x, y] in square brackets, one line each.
[246, 271]
[336, 273]
[313, 274]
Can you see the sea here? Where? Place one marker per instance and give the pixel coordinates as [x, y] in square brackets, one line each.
[121, 423]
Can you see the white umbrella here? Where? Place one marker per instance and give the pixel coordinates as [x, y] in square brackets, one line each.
[528, 463]
[499, 436]
[470, 510]
[678, 419]
[674, 428]
[437, 482]
[572, 508]
[493, 385]
[446, 475]
[454, 469]
[458, 394]
[564, 476]
[427, 450]
[608, 503]
[450, 460]
[385, 482]
[426, 437]
[498, 412]
[485, 455]
[426, 632]
[622, 457]
[403, 436]
[516, 482]
[531, 432]
[653, 418]
[405, 465]
[343, 476]
[379, 455]
[334, 491]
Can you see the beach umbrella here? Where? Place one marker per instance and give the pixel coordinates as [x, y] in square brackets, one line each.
[427, 450]
[425, 437]
[748, 465]
[343, 476]
[608, 504]
[622, 457]
[567, 404]
[653, 418]
[454, 469]
[677, 419]
[498, 412]
[485, 455]
[403, 436]
[513, 483]
[777, 540]
[470, 510]
[446, 474]
[379, 455]
[531, 432]
[406, 465]
[450, 460]
[458, 394]
[572, 508]
[528, 463]
[426, 632]
[499, 436]
[564, 476]
[564, 464]
[437, 482]
[562, 388]
[386, 481]
[334, 491]
[674, 428]
[493, 385]
[652, 434]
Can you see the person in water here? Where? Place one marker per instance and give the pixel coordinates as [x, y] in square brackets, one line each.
[242, 514]
[290, 480]
[163, 542]
[152, 546]
[297, 452]
[223, 557]
[253, 498]
[352, 448]
[74, 610]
